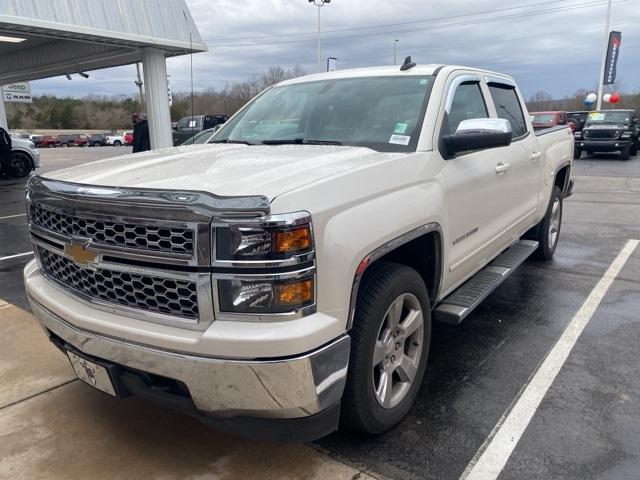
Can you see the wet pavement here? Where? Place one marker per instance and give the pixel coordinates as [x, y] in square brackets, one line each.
[588, 424]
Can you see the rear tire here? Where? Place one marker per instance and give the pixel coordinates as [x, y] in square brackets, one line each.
[97, 144]
[389, 350]
[634, 149]
[548, 230]
[117, 143]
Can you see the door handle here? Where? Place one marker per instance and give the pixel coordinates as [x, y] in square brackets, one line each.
[536, 156]
[501, 168]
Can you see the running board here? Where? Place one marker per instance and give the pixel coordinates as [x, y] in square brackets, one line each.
[468, 296]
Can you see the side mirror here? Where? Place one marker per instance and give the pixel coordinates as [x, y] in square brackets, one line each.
[478, 134]
[217, 127]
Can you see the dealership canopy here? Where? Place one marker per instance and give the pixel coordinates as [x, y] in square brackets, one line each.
[43, 38]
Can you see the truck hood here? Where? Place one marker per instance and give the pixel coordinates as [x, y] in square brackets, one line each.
[225, 170]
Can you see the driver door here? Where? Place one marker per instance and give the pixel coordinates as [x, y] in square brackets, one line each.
[476, 190]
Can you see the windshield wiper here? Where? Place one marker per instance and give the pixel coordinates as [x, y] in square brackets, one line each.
[226, 140]
[300, 141]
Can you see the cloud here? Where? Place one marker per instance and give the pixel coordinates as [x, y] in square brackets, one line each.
[558, 51]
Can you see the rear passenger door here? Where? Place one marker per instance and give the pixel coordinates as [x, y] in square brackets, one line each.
[522, 178]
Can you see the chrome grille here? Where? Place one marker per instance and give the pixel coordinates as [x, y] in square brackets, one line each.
[146, 237]
[146, 292]
[601, 134]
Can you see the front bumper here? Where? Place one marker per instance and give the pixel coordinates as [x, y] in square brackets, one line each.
[603, 145]
[276, 391]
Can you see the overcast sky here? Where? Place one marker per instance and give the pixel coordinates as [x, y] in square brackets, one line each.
[546, 45]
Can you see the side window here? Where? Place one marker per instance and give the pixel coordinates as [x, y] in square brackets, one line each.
[508, 107]
[467, 103]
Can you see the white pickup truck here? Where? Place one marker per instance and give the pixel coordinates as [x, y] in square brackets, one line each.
[282, 280]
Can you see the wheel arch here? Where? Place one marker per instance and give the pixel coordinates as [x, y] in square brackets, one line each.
[562, 178]
[26, 153]
[406, 250]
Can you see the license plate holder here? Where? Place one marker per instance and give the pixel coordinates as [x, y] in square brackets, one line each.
[92, 373]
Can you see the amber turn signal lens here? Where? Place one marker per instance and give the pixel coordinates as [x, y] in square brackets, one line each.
[294, 240]
[294, 294]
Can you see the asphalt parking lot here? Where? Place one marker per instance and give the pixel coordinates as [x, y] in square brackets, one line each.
[587, 425]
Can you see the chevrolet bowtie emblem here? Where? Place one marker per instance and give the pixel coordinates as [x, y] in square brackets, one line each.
[78, 253]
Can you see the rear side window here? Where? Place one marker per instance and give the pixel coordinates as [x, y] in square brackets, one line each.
[467, 103]
[508, 107]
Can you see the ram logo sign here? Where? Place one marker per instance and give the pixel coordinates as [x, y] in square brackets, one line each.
[19, 92]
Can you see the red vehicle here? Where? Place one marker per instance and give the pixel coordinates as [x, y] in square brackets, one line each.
[128, 138]
[543, 120]
[48, 141]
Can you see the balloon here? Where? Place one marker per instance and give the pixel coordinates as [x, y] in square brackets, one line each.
[606, 97]
[615, 98]
[591, 98]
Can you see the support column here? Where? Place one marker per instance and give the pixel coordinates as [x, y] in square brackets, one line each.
[154, 65]
[3, 113]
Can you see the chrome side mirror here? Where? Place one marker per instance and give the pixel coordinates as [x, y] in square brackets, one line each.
[477, 134]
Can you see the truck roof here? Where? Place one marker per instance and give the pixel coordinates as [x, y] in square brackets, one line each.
[394, 70]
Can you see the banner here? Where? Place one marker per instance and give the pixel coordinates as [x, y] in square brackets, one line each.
[613, 52]
[19, 92]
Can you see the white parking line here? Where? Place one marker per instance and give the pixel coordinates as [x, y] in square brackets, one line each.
[17, 255]
[493, 455]
[13, 216]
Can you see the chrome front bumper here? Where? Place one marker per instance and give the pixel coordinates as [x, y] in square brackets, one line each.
[288, 388]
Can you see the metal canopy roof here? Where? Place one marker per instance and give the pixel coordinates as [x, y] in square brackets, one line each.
[70, 36]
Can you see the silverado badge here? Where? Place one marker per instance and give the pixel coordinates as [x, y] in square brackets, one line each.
[79, 254]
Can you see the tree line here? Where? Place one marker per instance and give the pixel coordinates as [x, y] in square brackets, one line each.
[109, 113]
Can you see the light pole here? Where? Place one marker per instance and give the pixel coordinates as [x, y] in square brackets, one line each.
[319, 4]
[604, 56]
[395, 50]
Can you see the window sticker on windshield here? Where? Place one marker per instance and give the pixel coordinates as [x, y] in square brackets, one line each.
[596, 116]
[192, 124]
[400, 139]
[423, 81]
[401, 128]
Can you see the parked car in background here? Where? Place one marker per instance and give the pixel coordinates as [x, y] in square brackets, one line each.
[202, 137]
[609, 131]
[25, 157]
[72, 140]
[541, 120]
[97, 140]
[128, 138]
[579, 118]
[115, 139]
[190, 126]
[47, 141]
[285, 277]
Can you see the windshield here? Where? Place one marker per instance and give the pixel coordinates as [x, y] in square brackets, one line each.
[201, 137]
[609, 117]
[543, 118]
[382, 113]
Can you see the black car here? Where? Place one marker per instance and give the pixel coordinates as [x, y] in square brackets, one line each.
[188, 127]
[579, 118]
[609, 131]
[97, 140]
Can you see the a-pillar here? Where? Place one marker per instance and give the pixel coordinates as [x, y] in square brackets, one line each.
[154, 65]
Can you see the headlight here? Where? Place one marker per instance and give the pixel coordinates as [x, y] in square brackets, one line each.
[265, 296]
[273, 239]
[626, 135]
[264, 266]
[577, 134]
[32, 145]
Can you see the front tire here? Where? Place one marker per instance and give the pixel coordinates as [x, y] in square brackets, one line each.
[577, 153]
[548, 231]
[390, 346]
[634, 149]
[20, 165]
[117, 143]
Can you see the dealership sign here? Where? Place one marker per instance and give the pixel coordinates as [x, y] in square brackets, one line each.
[17, 92]
[613, 52]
